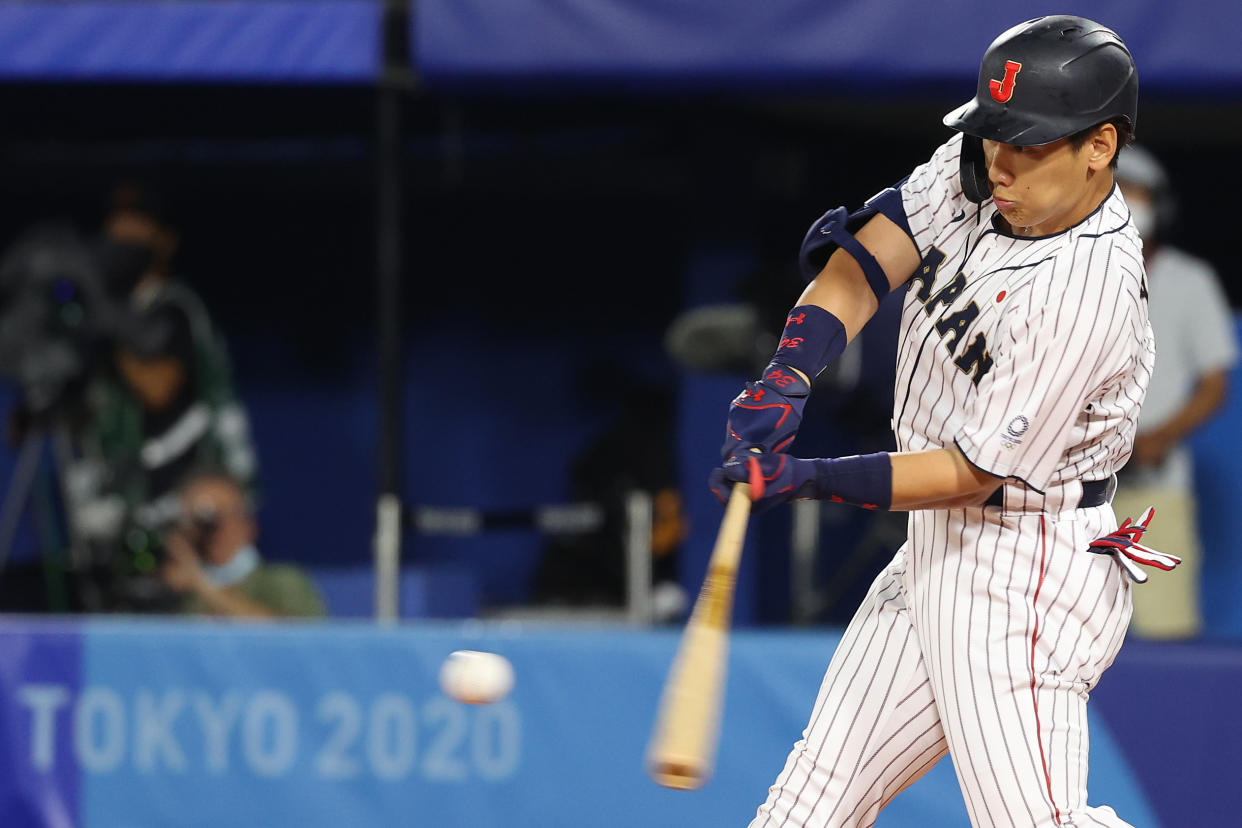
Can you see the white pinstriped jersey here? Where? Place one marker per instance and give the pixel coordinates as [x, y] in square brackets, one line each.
[985, 633]
[1031, 354]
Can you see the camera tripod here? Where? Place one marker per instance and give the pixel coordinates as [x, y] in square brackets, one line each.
[32, 458]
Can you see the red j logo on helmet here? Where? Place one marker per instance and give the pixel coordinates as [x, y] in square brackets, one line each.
[1002, 90]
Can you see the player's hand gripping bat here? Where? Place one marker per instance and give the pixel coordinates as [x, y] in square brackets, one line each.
[683, 742]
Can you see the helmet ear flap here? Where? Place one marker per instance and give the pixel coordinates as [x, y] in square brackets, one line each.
[974, 170]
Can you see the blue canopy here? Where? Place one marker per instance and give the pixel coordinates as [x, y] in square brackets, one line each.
[194, 40]
[885, 48]
[881, 47]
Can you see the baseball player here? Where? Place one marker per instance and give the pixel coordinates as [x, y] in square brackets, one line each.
[1024, 354]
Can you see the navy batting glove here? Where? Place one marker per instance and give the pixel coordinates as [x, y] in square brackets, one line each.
[773, 479]
[767, 413]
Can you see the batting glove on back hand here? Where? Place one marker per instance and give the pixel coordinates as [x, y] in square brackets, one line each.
[773, 479]
[767, 413]
[1123, 544]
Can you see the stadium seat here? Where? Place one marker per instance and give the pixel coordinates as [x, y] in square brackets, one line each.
[425, 592]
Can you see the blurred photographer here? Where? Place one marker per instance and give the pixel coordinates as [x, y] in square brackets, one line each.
[165, 403]
[119, 365]
[211, 561]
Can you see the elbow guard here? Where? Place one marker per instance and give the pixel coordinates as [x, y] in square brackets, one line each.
[834, 229]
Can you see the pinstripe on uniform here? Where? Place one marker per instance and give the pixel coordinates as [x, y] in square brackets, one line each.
[988, 629]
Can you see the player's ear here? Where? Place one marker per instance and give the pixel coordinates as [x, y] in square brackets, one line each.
[1101, 147]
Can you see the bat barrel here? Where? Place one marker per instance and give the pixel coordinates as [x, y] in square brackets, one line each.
[682, 776]
[683, 745]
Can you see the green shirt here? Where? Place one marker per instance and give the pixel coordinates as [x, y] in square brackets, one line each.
[284, 589]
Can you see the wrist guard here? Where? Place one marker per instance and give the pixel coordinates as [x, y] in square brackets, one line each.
[864, 480]
[812, 339]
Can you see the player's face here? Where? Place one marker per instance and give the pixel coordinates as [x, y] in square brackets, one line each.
[1044, 190]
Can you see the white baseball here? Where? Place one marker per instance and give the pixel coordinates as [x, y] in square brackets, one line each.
[474, 677]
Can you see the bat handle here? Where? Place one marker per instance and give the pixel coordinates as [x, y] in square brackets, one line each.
[741, 492]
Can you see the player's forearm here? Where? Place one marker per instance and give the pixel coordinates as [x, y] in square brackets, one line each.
[841, 288]
[938, 479]
[831, 311]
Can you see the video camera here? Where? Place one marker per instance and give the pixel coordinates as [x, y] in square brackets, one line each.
[58, 314]
[65, 307]
[199, 528]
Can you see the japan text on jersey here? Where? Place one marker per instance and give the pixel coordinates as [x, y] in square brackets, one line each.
[1031, 354]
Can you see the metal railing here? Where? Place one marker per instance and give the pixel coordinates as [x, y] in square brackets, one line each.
[581, 518]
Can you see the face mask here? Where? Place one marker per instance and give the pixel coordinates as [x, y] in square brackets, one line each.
[235, 571]
[1144, 218]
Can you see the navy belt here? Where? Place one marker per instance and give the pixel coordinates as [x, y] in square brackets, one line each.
[1094, 493]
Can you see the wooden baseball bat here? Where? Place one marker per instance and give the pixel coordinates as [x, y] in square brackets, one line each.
[683, 742]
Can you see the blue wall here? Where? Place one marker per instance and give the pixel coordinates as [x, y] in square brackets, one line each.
[143, 724]
[1218, 486]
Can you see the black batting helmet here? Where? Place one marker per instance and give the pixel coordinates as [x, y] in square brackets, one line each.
[1044, 80]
